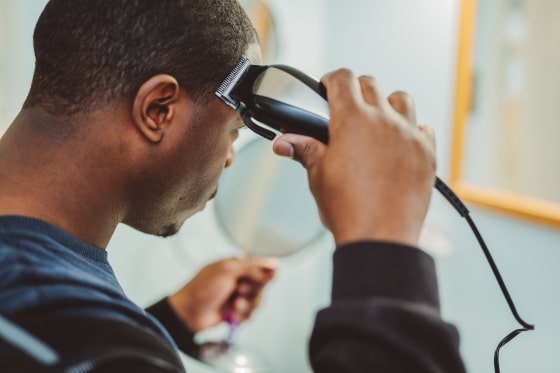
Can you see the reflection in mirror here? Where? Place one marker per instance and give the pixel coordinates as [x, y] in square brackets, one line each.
[264, 204]
[506, 152]
[261, 15]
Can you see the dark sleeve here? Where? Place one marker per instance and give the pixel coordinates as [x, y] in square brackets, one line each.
[183, 336]
[384, 315]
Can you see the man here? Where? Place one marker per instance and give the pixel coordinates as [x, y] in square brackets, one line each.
[121, 126]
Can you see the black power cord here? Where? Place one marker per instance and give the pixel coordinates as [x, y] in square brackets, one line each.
[464, 212]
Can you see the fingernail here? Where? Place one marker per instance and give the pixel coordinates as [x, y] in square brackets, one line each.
[284, 148]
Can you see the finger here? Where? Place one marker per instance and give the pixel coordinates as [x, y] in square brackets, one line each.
[263, 262]
[243, 308]
[403, 103]
[248, 289]
[429, 134]
[303, 149]
[254, 270]
[370, 90]
[283, 148]
[343, 93]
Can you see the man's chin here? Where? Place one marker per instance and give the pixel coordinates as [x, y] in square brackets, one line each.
[172, 229]
[169, 230]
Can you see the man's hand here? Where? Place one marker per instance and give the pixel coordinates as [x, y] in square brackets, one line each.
[374, 179]
[232, 285]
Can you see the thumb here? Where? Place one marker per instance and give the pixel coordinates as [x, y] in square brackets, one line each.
[305, 150]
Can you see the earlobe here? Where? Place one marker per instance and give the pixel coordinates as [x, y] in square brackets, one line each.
[153, 108]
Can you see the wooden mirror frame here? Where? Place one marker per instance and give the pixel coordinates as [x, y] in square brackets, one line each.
[262, 19]
[522, 206]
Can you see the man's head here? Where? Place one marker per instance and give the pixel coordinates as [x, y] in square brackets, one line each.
[91, 52]
[137, 78]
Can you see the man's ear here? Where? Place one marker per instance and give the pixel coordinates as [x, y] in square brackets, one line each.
[154, 106]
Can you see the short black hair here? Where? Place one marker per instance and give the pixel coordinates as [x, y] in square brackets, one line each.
[89, 52]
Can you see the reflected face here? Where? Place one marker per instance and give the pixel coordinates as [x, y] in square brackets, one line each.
[189, 175]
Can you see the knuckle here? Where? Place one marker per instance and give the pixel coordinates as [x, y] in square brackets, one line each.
[423, 148]
[229, 264]
[402, 95]
[344, 72]
[367, 78]
[304, 155]
[339, 75]
[402, 100]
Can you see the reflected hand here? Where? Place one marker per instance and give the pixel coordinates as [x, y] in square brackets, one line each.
[374, 179]
[230, 287]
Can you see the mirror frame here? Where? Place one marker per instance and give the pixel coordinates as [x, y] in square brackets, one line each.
[261, 16]
[511, 203]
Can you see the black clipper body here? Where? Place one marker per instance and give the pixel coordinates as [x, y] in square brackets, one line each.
[277, 98]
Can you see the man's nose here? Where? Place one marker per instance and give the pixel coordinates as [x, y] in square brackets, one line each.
[230, 157]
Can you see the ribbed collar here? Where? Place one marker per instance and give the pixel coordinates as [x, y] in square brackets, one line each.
[24, 224]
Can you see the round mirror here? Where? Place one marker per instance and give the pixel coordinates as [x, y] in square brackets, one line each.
[264, 204]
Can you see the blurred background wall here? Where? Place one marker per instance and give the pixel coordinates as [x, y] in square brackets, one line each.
[408, 45]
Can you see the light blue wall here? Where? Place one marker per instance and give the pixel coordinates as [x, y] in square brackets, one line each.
[406, 44]
[411, 45]
[17, 20]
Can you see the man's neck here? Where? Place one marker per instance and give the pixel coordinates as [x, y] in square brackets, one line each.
[60, 181]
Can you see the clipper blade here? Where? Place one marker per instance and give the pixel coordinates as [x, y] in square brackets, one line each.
[231, 80]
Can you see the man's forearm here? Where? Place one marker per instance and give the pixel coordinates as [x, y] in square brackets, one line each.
[384, 314]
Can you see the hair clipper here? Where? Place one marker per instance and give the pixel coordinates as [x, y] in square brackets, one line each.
[277, 98]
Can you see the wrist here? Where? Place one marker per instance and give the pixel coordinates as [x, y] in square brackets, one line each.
[179, 305]
[385, 231]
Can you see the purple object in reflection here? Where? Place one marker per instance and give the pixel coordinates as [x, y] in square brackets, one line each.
[229, 319]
